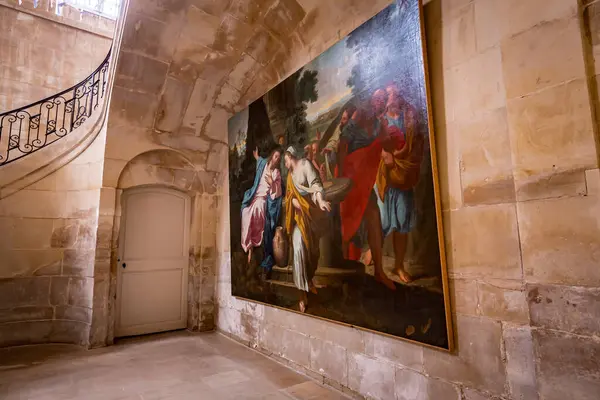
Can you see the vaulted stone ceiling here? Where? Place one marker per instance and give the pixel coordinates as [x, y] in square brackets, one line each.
[186, 65]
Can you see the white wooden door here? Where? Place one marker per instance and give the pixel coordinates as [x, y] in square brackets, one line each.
[153, 262]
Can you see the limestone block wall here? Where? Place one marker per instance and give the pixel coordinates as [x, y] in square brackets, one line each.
[47, 254]
[514, 94]
[184, 65]
[42, 53]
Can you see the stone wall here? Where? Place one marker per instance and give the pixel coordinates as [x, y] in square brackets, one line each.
[47, 254]
[514, 94]
[184, 66]
[48, 230]
[42, 54]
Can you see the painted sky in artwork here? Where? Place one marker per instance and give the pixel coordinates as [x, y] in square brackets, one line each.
[238, 129]
[334, 67]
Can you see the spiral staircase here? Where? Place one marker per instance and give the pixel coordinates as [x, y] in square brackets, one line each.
[51, 132]
[39, 138]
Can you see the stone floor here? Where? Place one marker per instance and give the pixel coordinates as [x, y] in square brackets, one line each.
[177, 365]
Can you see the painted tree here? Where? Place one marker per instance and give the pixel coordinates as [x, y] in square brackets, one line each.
[303, 85]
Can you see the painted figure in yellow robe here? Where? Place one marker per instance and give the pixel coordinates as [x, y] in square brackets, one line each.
[305, 207]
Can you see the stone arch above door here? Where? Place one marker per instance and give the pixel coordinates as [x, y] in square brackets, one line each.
[162, 167]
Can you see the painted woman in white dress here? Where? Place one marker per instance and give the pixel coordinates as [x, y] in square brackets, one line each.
[261, 207]
[305, 208]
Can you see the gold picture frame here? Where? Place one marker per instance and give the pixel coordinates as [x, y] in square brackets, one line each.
[334, 188]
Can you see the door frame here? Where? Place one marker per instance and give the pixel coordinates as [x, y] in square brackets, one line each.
[185, 249]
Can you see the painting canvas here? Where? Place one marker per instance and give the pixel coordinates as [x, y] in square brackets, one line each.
[333, 195]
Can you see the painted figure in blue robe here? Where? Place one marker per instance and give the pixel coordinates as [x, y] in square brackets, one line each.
[261, 207]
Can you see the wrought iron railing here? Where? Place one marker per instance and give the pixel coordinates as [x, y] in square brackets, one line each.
[30, 128]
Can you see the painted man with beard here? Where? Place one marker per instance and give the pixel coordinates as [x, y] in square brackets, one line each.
[359, 157]
[261, 207]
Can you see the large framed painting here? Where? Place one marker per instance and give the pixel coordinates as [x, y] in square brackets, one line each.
[334, 199]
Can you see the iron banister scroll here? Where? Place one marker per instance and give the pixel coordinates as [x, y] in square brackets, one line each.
[30, 128]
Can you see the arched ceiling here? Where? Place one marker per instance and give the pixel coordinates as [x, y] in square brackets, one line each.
[185, 66]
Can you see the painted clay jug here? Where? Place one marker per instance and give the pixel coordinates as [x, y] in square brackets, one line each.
[280, 247]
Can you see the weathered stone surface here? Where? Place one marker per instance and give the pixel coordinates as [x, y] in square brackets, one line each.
[459, 41]
[411, 385]
[172, 105]
[78, 262]
[131, 108]
[290, 57]
[447, 145]
[107, 201]
[347, 337]
[99, 328]
[469, 92]
[263, 46]
[35, 48]
[515, 16]
[464, 296]
[481, 251]
[216, 128]
[486, 173]
[149, 36]
[232, 35]
[200, 104]
[570, 309]
[329, 360]
[188, 61]
[206, 182]
[59, 290]
[19, 292]
[283, 17]
[554, 53]
[64, 233]
[249, 11]
[285, 343]
[101, 289]
[28, 233]
[161, 10]
[141, 174]
[27, 313]
[217, 158]
[505, 301]
[74, 332]
[74, 313]
[520, 365]
[187, 142]
[470, 394]
[478, 363]
[560, 240]
[16, 263]
[34, 204]
[228, 97]
[552, 141]
[243, 73]
[396, 351]
[139, 73]
[371, 377]
[217, 65]
[86, 235]
[212, 7]
[23, 333]
[81, 292]
[241, 325]
[567, 365]
[488, 31]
